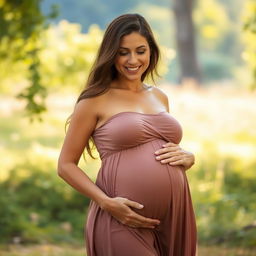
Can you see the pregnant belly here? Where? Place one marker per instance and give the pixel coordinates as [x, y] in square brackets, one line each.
[142, 178]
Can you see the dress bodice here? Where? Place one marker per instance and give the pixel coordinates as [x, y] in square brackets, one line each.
[129, 129]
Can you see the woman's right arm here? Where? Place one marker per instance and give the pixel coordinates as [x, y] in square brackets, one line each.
[82, 124]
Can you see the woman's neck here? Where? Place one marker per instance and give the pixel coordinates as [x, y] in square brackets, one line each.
[135, 86]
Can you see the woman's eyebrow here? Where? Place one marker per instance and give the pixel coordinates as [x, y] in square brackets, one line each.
[121, 47]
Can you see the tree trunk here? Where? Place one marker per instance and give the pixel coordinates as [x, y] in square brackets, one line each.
[185, 40]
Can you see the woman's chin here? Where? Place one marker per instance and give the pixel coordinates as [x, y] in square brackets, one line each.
[132, 77]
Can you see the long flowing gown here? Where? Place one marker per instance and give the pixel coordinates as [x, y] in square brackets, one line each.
[126, 143]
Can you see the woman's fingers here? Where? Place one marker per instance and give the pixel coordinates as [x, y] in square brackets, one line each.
[180, 157]
[167, 149]
[121, 209]
[139, 221]
[173, 154]
[170, 144]
[145, 221]
[173, 159]
[133, 204]
[134, 219]
[179, 162]
[169, 155]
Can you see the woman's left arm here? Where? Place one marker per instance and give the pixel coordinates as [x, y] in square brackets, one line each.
[173, 154]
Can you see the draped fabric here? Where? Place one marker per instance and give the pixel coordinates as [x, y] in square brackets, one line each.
[126, 143]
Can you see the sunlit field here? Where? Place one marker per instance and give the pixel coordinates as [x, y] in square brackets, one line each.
[218, 126]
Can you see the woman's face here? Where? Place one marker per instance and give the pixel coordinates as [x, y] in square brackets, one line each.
[133, 57]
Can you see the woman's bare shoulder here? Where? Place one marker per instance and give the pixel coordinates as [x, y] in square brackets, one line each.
[161, 95]
[158, 91]
[93, 105]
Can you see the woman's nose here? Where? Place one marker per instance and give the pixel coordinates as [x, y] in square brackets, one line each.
[132, 58]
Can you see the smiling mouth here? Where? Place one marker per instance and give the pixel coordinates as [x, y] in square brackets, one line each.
[133, 68]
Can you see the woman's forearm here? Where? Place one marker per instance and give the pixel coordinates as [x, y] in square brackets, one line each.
[76, 178]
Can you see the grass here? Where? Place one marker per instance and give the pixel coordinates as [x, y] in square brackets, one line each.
[43, 250]
[64, 250]
[222, 251]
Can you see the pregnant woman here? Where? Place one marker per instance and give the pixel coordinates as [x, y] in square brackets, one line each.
[141, 203]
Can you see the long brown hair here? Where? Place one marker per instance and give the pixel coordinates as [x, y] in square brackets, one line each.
[103, 71]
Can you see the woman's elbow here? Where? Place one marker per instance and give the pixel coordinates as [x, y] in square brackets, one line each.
[60, 168]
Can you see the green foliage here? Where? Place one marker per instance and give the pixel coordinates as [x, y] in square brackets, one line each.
[21, 19]
[21, 24]
[212, 23]
[35, 94]
[35, 206]
[224, 198]
[218, 40]
[249, 38]
[67, 55]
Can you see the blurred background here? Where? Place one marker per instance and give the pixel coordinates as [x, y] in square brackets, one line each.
[208, 70]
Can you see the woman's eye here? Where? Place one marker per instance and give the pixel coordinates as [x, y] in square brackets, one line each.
[125, 53]
[122, 53]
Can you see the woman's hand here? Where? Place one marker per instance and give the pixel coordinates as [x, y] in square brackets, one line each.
[120, 209]
[173, 154]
